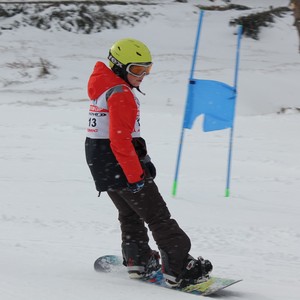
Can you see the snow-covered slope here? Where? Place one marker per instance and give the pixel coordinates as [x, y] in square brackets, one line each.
[53, 226]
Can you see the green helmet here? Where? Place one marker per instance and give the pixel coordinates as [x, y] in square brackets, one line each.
[126, 51]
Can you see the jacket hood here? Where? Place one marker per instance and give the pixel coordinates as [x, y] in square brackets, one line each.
[102, 79]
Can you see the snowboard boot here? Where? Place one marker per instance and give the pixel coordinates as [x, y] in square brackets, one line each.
[140, 262]
[152, 265]
[194, 271]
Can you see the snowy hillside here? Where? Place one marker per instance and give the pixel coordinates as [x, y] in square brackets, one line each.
[53, 226]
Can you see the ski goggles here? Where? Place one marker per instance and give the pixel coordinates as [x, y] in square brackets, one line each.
[139, 70]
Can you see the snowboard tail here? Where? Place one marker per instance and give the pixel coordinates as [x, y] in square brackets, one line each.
[113, 263]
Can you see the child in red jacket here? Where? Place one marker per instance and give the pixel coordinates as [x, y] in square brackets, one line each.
[120, 165]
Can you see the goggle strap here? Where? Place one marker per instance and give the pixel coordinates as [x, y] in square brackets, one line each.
[115, 61]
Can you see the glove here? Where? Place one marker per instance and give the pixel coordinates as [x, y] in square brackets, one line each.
[151, 168]
[136, 186]
[149, 165]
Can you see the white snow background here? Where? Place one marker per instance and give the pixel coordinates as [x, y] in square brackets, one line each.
[53, 226]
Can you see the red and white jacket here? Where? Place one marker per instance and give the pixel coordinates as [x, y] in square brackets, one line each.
[114, 115]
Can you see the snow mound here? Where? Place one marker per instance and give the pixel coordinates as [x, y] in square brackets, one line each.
[77, 17]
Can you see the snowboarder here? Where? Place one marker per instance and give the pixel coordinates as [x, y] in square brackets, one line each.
[295, 6]
[120, 165]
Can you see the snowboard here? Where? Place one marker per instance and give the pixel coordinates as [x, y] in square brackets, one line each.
[114, 263]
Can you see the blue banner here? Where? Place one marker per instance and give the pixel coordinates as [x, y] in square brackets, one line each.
[215, 100]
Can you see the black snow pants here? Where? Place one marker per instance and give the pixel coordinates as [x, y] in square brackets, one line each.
[148, 206]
